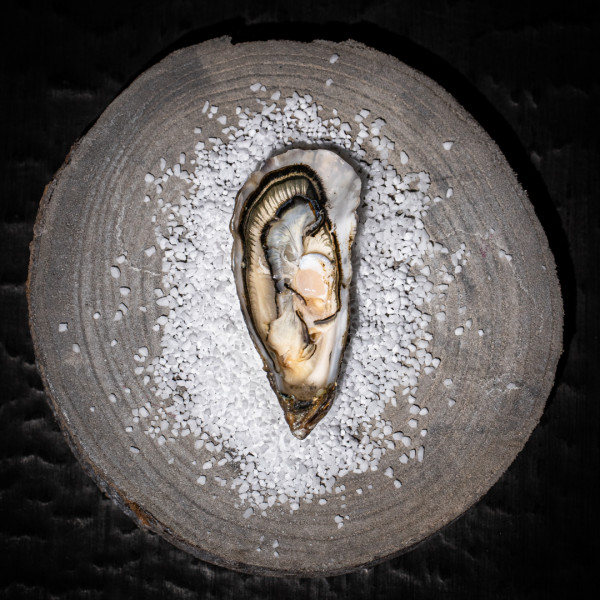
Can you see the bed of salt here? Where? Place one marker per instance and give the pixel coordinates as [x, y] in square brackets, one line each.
[208, 382]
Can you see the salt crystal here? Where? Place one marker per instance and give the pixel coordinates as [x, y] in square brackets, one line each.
[199, 366]
[62, 327]
[333, 58]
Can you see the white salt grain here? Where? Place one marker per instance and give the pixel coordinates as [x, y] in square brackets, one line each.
[124, 291]
[459, 331]
[333, 58]
[206, 378]
[329, 82]
[480, 332]
[62, 327]
[448, 145]
[134, 450]
[76, 348]
[150, 251]
[115, 272]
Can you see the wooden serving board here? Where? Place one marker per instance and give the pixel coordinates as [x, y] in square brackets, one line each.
[500, 380]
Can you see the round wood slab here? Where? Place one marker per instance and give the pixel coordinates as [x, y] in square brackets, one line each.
[92, 211]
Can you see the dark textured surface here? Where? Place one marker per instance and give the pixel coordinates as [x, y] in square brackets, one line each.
[529, 76]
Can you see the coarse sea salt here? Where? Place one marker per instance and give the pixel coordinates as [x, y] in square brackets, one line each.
[208, 382]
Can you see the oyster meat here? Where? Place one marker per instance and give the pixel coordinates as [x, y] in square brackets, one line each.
[293, 227]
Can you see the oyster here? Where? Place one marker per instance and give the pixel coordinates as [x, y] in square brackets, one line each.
[293, 227]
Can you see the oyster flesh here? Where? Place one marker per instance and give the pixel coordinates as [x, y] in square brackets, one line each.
[293, 226]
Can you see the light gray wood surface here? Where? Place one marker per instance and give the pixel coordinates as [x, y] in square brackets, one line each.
[92, 211]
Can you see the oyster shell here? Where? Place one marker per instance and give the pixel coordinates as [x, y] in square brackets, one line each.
[293, 226]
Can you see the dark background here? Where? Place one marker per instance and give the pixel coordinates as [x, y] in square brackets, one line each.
[528, 74]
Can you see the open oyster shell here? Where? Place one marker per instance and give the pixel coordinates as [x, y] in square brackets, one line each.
[293, 225]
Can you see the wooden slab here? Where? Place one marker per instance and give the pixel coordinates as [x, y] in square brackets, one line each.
[500, 380]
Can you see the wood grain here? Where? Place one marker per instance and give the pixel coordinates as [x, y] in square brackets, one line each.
[92, 211]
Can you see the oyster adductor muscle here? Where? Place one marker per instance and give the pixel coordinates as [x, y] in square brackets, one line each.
[293, 226]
